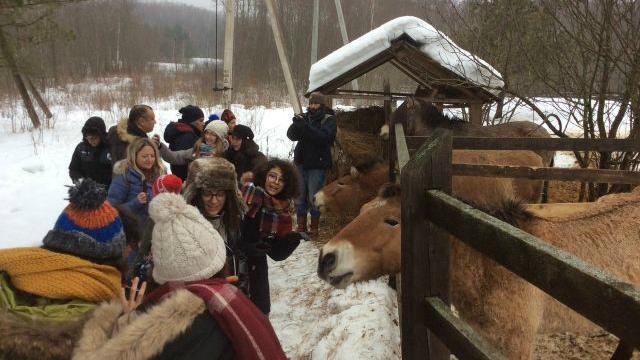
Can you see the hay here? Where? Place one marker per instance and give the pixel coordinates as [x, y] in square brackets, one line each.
[367, 120]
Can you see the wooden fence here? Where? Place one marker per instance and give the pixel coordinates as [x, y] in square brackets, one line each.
[430, 214]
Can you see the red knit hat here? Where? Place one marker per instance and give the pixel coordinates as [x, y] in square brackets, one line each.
[167, 183]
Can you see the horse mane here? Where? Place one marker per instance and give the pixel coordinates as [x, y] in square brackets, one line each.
[369, 165]
[389, 190]
[511, 211]
[429, 114]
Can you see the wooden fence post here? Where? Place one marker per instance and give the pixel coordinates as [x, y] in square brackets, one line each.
[425, 248]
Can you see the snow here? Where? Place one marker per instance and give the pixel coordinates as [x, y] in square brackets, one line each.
[433, 43]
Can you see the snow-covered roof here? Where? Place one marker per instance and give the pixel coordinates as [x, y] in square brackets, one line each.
[431, 42]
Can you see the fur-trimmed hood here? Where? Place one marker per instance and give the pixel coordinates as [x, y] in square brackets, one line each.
[121, 167]
[37, 339]
[110, 335]
[123, 134]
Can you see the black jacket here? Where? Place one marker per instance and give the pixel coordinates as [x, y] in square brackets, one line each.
[246, 159]
[180, 136]
[90, 162]
[278, 249]
[315, 134]
[120, 136]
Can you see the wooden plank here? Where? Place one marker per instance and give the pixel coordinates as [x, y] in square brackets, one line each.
[345, 37]
[623, 352]
[401, 146]
[227, 64]
[347, 91]
[459, 337]
[556, 144]
[340, 95]
[593, 293]
[475, 114]
[541, 173]
[425, 259]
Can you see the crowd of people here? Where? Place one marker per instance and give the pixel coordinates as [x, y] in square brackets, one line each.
[145, 263]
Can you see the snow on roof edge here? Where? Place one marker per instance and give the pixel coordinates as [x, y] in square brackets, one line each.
[432, 43]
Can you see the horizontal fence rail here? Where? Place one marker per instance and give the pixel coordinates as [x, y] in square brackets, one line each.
[457, 334]
[590, 175]
[595, 294]
[552, 144]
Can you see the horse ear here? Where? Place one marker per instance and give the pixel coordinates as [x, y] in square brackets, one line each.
[354, 172]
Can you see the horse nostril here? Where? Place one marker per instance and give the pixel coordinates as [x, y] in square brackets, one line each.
[328, 262]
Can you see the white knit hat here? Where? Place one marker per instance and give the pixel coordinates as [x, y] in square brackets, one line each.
[184, 245]
[219, 127]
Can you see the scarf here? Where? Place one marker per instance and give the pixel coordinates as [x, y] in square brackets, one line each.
[275, 213]
[249, 331]
[59, 276]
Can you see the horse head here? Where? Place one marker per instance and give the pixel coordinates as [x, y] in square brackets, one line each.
[367, 247]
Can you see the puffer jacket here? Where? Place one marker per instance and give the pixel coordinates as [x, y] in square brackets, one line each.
[124, 190]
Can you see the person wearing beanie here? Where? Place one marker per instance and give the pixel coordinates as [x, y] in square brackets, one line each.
[315, 132]
[138, 124]
[183, 134]
[194, 314]
[228, 117]
[143, 263]
[244, 153]
[267, 226]
[212, 143]
[92, 156]
[46, 292]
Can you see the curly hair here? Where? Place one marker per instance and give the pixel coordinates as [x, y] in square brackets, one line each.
[290, 174]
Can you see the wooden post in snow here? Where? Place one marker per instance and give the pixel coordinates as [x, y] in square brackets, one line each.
[345, 38]
[6, 52]
[39, 99]
[284, 61]
[227, 66]
[314, 31]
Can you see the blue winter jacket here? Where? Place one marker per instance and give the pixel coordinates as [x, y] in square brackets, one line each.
[124, 189]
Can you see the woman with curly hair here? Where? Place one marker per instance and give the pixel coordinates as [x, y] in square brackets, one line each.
[267, 225]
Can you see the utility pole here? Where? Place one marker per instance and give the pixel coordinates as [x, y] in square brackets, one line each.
[227, 68]
[314, 32]
[345, 38]
[286, 69]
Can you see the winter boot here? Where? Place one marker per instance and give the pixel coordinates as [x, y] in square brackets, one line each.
[302, 223]
[313, 228]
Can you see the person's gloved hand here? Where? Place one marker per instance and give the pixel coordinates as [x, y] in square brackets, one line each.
[259, 248]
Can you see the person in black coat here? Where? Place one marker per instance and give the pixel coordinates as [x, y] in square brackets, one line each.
[138, 124]
[182, 135]
[244, 153]
[315, 132]
[267, 225]
[92, 157]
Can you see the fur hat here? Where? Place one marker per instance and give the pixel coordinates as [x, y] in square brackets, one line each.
[218, 127]
[89, 227]
[209, 173]
[190, 114]
[242, 132]
[184, 245]
[167, 183]
[317, 97]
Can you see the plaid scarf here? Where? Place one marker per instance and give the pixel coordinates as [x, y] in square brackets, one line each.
[249, 331]
[275, 214]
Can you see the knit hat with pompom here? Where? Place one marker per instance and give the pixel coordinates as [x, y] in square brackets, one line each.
[89, 227]
[184, 245]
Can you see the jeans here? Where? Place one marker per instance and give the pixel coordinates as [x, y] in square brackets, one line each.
[312, 182]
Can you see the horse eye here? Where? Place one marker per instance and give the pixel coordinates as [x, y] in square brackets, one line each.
[391, 222]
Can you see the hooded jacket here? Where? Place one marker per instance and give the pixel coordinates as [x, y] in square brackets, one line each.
[315, 133]
[120, 136]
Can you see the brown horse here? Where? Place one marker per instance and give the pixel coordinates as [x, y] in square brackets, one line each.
[421, 118]
[603, 234]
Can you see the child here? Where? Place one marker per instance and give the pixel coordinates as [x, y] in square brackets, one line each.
[212, 143]
[92, 157]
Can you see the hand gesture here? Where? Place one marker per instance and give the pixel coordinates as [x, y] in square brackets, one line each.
[156, 138]
[135, 296]
[142, 198]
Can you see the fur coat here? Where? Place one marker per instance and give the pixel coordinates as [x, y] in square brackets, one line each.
[178, 327]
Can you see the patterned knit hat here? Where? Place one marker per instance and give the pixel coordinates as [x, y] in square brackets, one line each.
[89, 227]
[167, 183]
[184, 245]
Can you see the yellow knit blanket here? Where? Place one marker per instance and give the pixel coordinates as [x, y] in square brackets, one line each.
[59, 276]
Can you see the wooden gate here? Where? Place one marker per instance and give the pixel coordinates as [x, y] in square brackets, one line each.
[430, 214]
